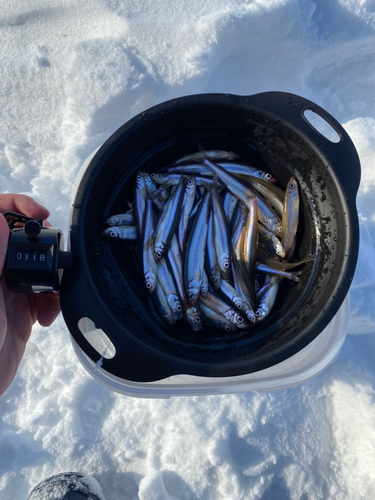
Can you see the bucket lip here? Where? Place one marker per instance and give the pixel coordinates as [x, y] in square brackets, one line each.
[289, 373]
[198, 100]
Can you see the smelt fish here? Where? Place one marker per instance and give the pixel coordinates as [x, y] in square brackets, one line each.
[150, 268]
[120, 232]
[216, 319]
[213, 268]
[126, 219]
[225, 309]
[221, 238]
[187, 206]
[268, 299]
[195, 251]
[266, 215]
[140, 202]
[168, 220]
[169, 288]
[216, 154]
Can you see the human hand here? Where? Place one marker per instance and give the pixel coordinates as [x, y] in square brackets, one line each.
[19, 311]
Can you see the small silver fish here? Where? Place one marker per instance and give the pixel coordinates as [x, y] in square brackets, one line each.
[194, 319]
[195, 252]
[240, 302]
[251, 239]
[162, 305]
[266, 215]
[186, 208]
[120, 232]
[212, 154]
[204, 285]
[140, 201]
[164, 195]
[169, 287]
[241, 277]
[271, 242]
[175, 260]
[167, 221]
[229, 205]
[150, 268]
[221, 238]
[211, 257]
[267, 302]
[126, 219]
[215, 302]
[167, 180]
[240, 169]
[214, 318]
[247, 171]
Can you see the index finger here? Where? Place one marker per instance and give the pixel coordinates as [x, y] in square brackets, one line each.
[23, 204]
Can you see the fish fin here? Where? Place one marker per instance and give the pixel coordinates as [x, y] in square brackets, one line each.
[294, 275]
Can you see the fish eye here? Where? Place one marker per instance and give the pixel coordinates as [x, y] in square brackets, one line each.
[148, 284]
[226, 265]
[226, 328]
[178, 308]
[268, 176]
[197, 320]
[159, 255]
[278, 252]
[147, 176]
[191, 296]
[166, 317]
[292, 185]
[240, 319]
[139, 177]
[113, 233]
[258, 313]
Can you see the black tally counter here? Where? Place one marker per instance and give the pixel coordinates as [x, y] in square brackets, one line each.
[35, 258]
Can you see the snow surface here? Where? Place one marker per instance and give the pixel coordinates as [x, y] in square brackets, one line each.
[71, 73]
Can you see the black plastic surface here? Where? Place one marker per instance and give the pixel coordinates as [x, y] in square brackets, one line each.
[267, 129]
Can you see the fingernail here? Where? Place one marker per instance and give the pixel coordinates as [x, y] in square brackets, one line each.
[49, 317]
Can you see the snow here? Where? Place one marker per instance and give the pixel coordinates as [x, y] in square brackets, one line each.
[72, 73]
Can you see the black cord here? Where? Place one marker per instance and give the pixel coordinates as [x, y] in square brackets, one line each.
[20, 218]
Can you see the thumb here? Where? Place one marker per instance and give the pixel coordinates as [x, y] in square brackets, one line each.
[4, 237]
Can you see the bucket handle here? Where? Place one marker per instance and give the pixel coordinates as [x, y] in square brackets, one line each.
[341, 155]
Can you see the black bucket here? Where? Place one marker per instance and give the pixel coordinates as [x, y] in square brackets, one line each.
[106, 285]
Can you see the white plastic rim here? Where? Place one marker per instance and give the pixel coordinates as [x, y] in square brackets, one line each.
[295, 370]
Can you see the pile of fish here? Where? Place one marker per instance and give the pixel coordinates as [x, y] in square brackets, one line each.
[217, 237]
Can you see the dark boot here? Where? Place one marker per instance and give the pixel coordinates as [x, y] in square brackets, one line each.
[66, 486]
